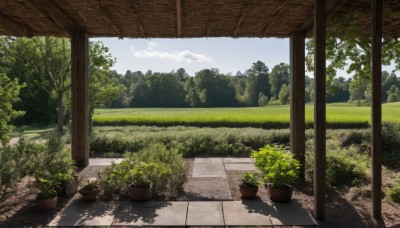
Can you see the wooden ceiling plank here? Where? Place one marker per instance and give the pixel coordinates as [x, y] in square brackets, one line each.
[14, 26]
[208, 22]
[179, 18]
[106, 16]
[56, 14]
[277, 16]
[331, 8]
[137, 19]
[240, 20]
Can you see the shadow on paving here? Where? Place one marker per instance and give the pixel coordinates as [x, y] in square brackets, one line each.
[128, 211]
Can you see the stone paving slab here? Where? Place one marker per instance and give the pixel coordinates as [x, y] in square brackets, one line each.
[240, 166]
[208, 170]
[104, 161]
[80, 213]
[205, 214]
[207, 188]
[237, 160]
[246, 213]
[290, 214]
[151, 213]
[90, 172]
[208, 160]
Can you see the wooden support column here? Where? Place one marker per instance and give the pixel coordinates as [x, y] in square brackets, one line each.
[376, 17]
[320, 109]
[79, 91]
[297, 103]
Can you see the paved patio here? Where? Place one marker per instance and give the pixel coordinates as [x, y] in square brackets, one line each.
[203, 207]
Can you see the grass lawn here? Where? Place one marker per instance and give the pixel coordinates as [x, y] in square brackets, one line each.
[338, 115]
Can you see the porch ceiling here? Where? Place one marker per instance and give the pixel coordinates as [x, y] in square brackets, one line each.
[188, 18]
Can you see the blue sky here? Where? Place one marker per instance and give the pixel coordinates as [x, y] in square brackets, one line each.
[165, 55]
[226, 54]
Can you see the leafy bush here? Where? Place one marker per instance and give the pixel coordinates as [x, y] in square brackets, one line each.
[146, 174]
[392, 191]
[9, 170]
[277, 166]
[349, 138]
[343, 167]
[391, 142]
[249, 179]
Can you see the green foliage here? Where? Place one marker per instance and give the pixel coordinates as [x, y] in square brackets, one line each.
[284, 94]
[47, 186]
[9, 170]
[159, 153]
[392, 191]
[9, 91]
[146, 174]
[91, 185]
[249, 179]
[391, 142]
[277, 166]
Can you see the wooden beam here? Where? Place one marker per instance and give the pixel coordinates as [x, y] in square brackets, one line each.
[137, 18]
[297, 102]
[106, 16]
[208, 29]
[79, 92]
[178, 18]
[56, 15]
[376, 17]
[331, 8]
[320, 108]
[241, 17]
[18, 28]
[277, 16]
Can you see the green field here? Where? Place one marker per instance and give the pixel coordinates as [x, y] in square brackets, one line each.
[338, 115]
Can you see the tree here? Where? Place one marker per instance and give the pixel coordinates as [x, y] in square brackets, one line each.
[280, 75]
[284, 94]
[50, 57]
[393, 94]
[9, 90]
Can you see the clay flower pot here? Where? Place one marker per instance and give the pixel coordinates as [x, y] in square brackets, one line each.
[71, 187]
[282, 193]
[89, 195]
[46, 204]
[139, 193]
[248, 192]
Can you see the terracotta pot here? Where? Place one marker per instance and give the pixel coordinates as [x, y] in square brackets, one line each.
[46, 204]
[139, 193]
[282, 193]
[248, 192]
[71, 188]
[89, 194]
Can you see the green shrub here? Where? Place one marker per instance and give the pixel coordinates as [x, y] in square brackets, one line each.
[250, 179]
[343, 167]
[278, 167]
[349, 138]
[9, 170]
[392, 191]
[391, 142]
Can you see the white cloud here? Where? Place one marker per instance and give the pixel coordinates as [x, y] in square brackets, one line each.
[180, 56]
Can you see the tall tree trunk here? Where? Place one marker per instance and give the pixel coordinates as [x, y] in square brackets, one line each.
[60, 119]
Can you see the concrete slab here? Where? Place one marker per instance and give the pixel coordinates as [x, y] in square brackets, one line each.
[80, 213]
[104, 161]
[208, 160]
[90, 172]
[246, 213]
[207, 188]
[240, 166]
[237, 160]
[205, 214]
[208, 170]
[290, 214]
[151, 213]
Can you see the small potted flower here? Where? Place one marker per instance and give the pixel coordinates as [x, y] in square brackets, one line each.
[249, 185]
[279, 170]
[90, 191]
[47, 198]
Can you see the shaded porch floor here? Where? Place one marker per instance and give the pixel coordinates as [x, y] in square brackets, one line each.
[207, 202]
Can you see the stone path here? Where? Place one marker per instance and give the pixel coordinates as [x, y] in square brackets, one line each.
[209, 182]
[208, 173]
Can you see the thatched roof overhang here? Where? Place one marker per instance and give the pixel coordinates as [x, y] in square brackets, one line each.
[188, 18]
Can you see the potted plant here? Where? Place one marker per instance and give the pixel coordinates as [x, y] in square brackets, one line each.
[68, 183]
[142, 177]
[47, 197]
[249, 185]
[279, 170]
[90, 191]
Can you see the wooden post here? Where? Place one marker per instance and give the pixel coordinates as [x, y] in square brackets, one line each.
[320, 109]
[297, 103]
[376, 17]
[79, 90]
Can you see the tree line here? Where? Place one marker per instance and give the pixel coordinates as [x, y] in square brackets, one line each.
[257, 86]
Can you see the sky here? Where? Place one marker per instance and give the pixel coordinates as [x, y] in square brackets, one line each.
[227, 54]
